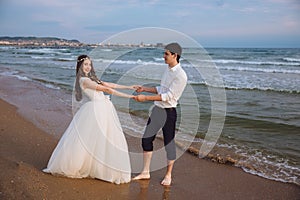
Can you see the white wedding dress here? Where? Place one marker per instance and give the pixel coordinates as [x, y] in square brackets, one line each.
[94, 144]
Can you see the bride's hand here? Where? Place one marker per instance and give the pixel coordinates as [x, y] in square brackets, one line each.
[135, 87]
[132, 97]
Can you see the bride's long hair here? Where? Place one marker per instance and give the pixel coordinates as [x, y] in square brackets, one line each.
[80, 73]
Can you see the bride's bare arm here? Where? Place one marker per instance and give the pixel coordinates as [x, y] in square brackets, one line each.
[117, 86]
[113, 91]
[94, 86]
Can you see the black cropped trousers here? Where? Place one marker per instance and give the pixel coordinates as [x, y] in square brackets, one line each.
[164, 118]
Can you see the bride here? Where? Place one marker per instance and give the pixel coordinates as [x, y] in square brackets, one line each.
[94, 144]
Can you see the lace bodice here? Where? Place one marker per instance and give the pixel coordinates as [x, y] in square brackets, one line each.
[93, 95]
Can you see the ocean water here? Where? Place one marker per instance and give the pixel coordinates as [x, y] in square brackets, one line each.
[262, 86]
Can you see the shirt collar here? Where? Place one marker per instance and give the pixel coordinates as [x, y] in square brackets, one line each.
[173, 69]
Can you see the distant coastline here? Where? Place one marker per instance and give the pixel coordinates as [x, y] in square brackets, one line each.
[40, 41]
[60, 42]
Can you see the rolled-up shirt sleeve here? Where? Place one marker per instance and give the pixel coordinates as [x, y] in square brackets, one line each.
[158, 89]
[166, 96]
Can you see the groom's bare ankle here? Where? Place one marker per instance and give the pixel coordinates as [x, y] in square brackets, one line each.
[145, 172]
[143, 175]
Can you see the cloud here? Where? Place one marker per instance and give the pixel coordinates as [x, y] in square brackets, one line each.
[215, 18]
[114, 28]
[220, 3]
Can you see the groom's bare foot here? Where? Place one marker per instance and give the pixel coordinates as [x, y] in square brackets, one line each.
[142, 176]
[167, 181]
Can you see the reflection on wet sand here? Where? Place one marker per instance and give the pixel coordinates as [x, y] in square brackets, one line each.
[143, 193]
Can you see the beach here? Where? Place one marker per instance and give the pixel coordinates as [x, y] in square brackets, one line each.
[255, 157]
[31, 125]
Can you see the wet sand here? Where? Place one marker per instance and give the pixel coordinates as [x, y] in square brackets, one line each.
[25, 150]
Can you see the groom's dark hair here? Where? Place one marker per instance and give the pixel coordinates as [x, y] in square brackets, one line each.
[174, 48]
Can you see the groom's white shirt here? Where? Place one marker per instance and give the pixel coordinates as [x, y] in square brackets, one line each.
[171, 87]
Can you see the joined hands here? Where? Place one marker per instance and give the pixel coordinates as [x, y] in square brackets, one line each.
[139, 97]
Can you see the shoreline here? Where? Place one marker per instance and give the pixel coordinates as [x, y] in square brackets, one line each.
[26, 148]
[51, 112]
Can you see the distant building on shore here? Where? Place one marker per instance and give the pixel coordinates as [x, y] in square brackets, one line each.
[141, 45]
[58, 42]
[39, 41]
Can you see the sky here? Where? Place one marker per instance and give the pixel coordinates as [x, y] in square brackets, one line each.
[212, 23]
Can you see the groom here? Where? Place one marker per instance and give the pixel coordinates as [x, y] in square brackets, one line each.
[163, 114]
